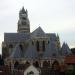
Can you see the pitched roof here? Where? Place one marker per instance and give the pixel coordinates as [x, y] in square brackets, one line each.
[16, 37]
[51, 51]
[38, 33]
[17, 52]
[31, 52]
[32, 67]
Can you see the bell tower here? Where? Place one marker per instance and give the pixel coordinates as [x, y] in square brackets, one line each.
[23, 23]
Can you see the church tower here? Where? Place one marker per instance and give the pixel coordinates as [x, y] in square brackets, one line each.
[23, 23]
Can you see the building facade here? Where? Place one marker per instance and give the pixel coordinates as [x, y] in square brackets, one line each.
[38, 48]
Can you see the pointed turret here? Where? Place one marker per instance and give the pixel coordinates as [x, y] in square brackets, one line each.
[23, 23]
[65, 49]
[23, 10]
[58, 41]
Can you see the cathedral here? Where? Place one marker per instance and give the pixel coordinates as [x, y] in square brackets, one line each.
[38, 48]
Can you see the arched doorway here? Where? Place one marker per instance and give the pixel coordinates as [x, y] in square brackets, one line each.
[46, 64]
[36, 64]
[16, 65]
[55, 65]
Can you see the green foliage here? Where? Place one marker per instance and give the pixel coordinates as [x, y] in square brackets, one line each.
[70, 72]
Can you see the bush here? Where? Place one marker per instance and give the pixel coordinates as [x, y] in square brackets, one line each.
[70, 72]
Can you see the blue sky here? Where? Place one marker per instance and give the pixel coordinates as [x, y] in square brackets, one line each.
[54, 16]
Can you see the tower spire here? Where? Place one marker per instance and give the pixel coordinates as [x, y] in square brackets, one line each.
[23, 23]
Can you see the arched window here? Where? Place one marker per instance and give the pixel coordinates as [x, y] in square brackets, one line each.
[55, 65]
[43, 45]
[37, 45]
[16, 65]
[46, 64]
[21, 47]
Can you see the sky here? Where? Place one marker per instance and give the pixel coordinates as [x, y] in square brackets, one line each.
[54, 16]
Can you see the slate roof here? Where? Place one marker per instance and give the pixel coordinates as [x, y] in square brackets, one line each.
[65, 49]
[31, 52]
[17, 52]
[52, 36]
[51, 51]
[38, 33]
[16, 37]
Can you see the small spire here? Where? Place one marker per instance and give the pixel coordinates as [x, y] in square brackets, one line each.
[23, 10]
[57, 36]
[64, 42]
[26, 11]
[23, 7]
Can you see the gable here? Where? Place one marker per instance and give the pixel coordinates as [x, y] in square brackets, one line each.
[38, 33]
[31, 69]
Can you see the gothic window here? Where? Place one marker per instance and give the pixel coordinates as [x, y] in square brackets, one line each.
[37, 45]
[16, 65]
[21, 47]
[43, 45]
[46, 64]
[55, 65]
